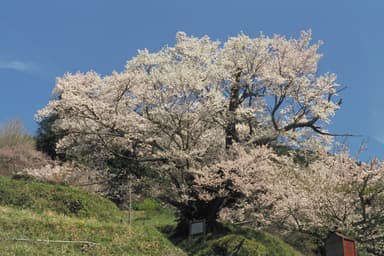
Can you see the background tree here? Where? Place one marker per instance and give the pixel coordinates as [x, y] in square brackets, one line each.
[14, 133]
[332, 191]
[47, 137]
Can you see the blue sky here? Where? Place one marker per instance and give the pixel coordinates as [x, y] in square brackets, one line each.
[42, 39]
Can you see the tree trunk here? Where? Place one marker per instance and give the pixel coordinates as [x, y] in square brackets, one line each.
[200, 210]
[234, 102]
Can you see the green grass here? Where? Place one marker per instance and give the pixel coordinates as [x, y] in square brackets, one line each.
[38, 196]
[111, 238]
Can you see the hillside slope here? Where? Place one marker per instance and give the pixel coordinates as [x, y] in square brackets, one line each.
[45, 219]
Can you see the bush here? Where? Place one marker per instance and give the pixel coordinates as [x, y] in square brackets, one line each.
[148, 204]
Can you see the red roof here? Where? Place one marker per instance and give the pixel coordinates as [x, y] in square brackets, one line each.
[344, 237]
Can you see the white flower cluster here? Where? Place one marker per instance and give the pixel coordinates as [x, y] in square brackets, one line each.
[50, 172]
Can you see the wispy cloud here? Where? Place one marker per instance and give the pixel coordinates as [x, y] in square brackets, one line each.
[379, 138]
[23, 66]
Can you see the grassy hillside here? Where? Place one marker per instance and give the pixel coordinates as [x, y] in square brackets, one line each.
[110, 238]
[35, 217]
[37, 211]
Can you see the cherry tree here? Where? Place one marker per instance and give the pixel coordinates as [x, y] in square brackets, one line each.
[179, 110]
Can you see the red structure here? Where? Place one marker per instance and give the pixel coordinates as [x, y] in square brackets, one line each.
[340, 245]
